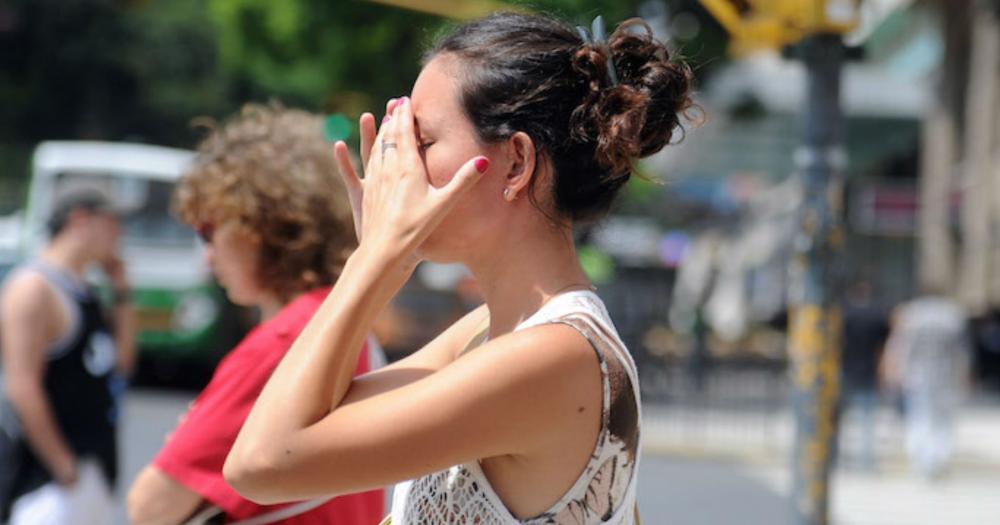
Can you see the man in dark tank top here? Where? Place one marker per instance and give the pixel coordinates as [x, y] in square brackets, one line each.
[63, 360]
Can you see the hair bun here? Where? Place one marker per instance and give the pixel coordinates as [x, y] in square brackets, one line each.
[638, 116]
[532, 74]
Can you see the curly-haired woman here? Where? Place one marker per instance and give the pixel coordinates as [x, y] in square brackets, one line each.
[517, 127]
[264, 197]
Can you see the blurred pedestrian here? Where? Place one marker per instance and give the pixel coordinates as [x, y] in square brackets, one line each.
[866, 327]
[63, 363]
[526, 409]
[264, 196]
[928, 359]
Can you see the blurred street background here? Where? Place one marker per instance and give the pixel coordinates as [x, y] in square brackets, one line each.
[697, 264]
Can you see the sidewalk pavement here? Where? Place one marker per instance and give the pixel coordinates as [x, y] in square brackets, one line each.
[766, 436]
[756, 447]
[897, 497]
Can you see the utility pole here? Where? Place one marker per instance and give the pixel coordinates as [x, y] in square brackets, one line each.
[940, 137]
[815, 321]
[979, 225]
[815, 29]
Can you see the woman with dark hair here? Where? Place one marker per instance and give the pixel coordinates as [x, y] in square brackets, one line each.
[275, 222]
[527, 409]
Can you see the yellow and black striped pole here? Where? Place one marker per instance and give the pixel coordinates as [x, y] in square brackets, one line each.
[815, 27]
[815, 319]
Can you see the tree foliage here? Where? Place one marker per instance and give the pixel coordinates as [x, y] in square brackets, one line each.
[142, 69]
[98, 69]
[342, 56]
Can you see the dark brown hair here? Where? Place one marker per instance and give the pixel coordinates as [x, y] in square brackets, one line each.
[535, 74]
[271, 169]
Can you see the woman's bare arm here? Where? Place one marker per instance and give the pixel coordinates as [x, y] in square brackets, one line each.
[509, 397]
[434, 356]
[27, 304]
[157, 499]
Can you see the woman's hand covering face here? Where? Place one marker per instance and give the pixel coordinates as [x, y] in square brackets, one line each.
[395, 207]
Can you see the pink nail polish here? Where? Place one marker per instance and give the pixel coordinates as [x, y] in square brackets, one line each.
[482, 164]
[385, 119]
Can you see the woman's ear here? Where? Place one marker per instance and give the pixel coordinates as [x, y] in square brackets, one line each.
[523, 157]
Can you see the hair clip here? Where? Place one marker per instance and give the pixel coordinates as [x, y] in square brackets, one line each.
[597, 37]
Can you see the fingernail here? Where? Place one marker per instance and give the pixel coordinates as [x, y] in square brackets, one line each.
[392, 103]
[385, 119]
[404, 100]
[482, 164]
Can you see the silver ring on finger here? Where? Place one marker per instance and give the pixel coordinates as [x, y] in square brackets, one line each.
[387, 146]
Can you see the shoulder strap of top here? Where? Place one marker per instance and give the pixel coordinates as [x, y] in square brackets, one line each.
[209, 514]
[579, 325]
[590, 313]
[70, 294]
[59, 279]
[601, 342]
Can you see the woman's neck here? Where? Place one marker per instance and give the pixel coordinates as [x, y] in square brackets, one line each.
[521, 273]
[270, 306]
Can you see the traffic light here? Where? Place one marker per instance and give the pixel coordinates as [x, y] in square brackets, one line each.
[756, 24]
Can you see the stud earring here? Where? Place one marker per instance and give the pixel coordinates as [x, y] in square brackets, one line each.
[507, 195]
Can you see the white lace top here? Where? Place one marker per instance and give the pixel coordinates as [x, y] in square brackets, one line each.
[605, 492]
